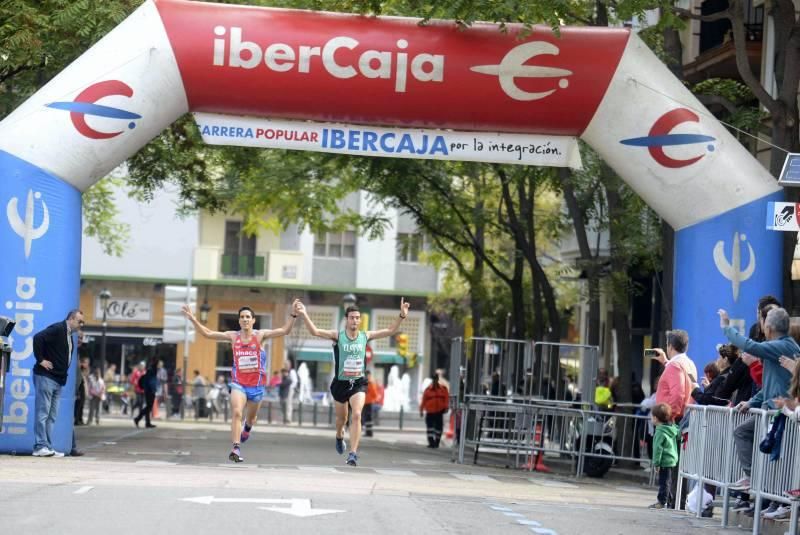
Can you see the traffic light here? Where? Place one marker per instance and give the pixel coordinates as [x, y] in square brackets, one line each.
[402, 344]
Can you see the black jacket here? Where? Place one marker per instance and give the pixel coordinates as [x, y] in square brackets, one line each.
[739, 382]
[710, 396]
[51, 344]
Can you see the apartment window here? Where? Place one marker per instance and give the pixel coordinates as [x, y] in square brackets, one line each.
[335, 244]
[409, 246]
[239, 257]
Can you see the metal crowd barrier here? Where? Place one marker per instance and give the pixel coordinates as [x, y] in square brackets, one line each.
[710, 457]
[524, 431]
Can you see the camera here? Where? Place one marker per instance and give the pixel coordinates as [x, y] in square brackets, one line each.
[650, 353]
[6, 326]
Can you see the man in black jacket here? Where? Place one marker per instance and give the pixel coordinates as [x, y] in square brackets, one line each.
[53, 349]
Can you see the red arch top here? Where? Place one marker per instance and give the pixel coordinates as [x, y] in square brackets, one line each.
[332, 67]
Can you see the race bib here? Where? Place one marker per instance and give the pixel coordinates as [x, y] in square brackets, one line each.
[249, 362]
[352, 367]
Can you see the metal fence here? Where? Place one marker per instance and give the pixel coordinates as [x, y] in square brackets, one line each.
[521, 368]
[525, 432]
[710, 457]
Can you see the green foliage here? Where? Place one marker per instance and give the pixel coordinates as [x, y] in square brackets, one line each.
[100, 216]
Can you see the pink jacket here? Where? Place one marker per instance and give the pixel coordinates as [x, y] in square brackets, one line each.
[674, 388]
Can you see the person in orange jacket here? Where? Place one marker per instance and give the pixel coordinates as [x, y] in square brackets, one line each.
[435, 402]
[369, 401]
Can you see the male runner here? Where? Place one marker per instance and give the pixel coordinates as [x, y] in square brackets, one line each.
[350, 360]
[249, 373]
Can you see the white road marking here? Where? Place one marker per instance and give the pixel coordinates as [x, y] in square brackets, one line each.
[402, 473]
[529, 522]
[500, 508]
[300, 507]
[472, 477]
[83, 490]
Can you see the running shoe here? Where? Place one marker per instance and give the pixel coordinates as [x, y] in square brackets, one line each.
[236, 455]
[352, 459]
[340, 445]
[245, 435]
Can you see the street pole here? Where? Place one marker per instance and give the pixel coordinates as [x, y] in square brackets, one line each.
[103, 345]
[186, 333]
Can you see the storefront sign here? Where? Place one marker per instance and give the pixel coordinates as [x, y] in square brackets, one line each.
[140, 310]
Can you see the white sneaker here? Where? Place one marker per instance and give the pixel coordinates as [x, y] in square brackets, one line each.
[782, 512]
[43, 452]
[57, 454]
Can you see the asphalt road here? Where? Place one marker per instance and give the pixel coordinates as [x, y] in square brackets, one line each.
[177, 479]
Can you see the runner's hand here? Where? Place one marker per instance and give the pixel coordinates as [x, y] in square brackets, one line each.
[404, 305]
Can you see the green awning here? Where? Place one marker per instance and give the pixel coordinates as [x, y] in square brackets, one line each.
[320, 355]
[388, 358]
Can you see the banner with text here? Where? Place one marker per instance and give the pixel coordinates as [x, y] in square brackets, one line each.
[522, 149]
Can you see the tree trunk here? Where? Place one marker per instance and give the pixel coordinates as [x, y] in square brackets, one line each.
[588, 261]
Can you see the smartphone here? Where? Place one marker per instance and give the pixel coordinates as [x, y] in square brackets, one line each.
[650, 353]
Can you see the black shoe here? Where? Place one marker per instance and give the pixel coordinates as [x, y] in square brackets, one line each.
[136, 422]
[77, 453]
[708, 512]
[150, 426]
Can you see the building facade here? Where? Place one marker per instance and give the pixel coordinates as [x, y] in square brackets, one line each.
[265, 272]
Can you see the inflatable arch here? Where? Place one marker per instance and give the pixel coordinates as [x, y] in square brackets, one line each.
[170, 57]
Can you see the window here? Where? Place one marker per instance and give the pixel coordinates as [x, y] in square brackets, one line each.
[230, 322]
[409, 247]
[239, 257]
[335, 244]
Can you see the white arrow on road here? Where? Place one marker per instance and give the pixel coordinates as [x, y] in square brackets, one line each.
[300, 507]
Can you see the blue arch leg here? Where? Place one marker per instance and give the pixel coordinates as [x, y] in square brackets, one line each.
[40, 237]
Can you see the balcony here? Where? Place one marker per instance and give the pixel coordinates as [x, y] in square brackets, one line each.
[243, 267]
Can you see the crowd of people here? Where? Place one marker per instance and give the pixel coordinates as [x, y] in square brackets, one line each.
[757, 371]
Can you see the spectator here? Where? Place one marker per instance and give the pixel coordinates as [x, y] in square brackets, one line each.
[163, 385]
[738, 385]
[776, 378]
[97, 394]
[53, 348]
[435, 403]
[675, 387]
[602, 392]
[665, 452]
[370, 399]
[149, 384]
[177, 391]
[134, 378]
[679, 376]
[199, 393]
[712, 382]
[81, 390]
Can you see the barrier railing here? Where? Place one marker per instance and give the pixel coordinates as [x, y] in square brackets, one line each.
[710, 457]
[524, 431]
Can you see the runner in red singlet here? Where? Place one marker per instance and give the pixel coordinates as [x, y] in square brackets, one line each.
[249, 373]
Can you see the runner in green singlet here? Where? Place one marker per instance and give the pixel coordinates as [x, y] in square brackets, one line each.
[349, 383]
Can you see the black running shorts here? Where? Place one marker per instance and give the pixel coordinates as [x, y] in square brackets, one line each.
[342, 390]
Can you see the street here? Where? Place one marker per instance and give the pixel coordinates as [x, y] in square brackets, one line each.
[176, 479]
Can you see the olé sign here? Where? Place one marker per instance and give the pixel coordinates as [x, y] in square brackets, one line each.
[124, 309]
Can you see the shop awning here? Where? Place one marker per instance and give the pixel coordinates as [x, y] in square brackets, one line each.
[388, 358]
[310, 354]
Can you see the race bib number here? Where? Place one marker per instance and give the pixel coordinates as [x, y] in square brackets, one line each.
[249, 362]
[352, 367]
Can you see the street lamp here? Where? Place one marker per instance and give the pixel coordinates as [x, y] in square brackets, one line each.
[205, 308]
[104, 296]
[349, 300]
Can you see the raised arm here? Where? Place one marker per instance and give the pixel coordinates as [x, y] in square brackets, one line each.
[202, 329]
[321, 333]
[391, 331]
[286, 328]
